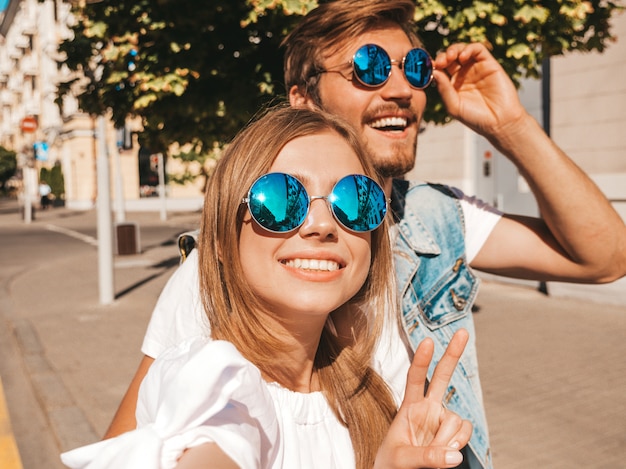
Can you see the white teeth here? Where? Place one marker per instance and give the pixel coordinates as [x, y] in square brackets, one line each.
[389, 122]
[313, 264]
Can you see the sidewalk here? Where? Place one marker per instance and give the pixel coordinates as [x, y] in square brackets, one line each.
[553, 369]
[553, 372]
[65, 359]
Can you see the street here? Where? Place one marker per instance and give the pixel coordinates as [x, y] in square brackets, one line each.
[65, 360]
[553, 370]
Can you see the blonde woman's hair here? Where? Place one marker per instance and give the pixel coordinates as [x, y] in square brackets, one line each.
[358, 395]
[327, 28]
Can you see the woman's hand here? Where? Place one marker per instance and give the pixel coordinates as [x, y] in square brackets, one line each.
[424, 434]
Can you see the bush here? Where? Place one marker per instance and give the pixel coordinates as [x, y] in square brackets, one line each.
[8, 167]
[54, 178]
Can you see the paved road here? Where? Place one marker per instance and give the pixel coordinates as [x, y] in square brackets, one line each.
[554, 379]
[64, 358]
[553, 370]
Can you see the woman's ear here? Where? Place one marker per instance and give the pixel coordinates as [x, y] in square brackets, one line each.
[299, 99]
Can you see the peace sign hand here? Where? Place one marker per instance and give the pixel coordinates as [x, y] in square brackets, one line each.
[424, 434]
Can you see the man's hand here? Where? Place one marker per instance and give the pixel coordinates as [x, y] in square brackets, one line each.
[424, 434]
[476, 90]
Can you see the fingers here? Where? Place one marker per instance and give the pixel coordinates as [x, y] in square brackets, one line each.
[416, 377]
[459, 54]
[454, 432]
[406, 457]
[452, 67]
[448, 93]
[449, 73]
[463, 435]
[446, 366]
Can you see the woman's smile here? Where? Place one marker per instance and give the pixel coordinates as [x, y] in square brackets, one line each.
[326, 265]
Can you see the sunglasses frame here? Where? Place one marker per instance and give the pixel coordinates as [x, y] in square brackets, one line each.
[310, 198]
[400, 64]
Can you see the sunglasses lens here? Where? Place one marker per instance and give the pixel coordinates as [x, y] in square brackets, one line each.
[371, 65]
[278, 202]
[418, 68]
[358, 202]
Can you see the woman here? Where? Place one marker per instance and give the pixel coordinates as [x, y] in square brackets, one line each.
[296, 276]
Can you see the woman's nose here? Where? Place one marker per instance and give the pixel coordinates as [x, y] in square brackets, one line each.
[320, 221]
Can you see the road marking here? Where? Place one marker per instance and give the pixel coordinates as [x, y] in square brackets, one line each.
[9, 454]
[74, 234]
[130, 263]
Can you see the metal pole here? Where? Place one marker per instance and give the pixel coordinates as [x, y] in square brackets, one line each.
[161, 168]
[120, 209]
[105, 222]
[28, 201]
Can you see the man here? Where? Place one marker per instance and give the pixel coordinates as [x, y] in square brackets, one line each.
[333, 61]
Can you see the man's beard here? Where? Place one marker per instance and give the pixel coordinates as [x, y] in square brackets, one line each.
[396, 163]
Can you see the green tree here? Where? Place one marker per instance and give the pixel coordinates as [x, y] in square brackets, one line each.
[195, 73]
[57, 181]
[192, 72]
[54, 177]
[8, 167]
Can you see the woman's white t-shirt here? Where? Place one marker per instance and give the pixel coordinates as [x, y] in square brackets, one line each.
[204, 391]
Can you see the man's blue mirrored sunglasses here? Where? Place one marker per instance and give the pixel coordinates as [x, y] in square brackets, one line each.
[279, 202]
[371, 66]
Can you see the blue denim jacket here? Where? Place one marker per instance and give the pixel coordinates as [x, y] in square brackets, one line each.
[437, 289]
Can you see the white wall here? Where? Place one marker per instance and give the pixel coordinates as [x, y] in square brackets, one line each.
[589, 123]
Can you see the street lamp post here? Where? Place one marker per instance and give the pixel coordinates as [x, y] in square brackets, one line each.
[105, 222]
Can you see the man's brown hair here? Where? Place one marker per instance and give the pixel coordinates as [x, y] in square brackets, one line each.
[324, 30]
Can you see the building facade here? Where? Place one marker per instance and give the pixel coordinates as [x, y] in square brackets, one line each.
[30, 69]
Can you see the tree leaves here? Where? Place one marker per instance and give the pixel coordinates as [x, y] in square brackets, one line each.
[196, 72]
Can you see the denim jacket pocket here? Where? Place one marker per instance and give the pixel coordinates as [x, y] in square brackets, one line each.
[450, 298]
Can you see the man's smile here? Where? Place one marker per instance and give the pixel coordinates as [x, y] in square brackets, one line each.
[389, 123]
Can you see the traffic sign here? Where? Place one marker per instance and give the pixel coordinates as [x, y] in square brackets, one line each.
[29, 124]
[41, 150]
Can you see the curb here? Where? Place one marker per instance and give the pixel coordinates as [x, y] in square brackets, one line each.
[9, 454]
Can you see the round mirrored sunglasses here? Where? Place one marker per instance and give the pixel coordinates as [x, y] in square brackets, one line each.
[371, 65]
[278, 202]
